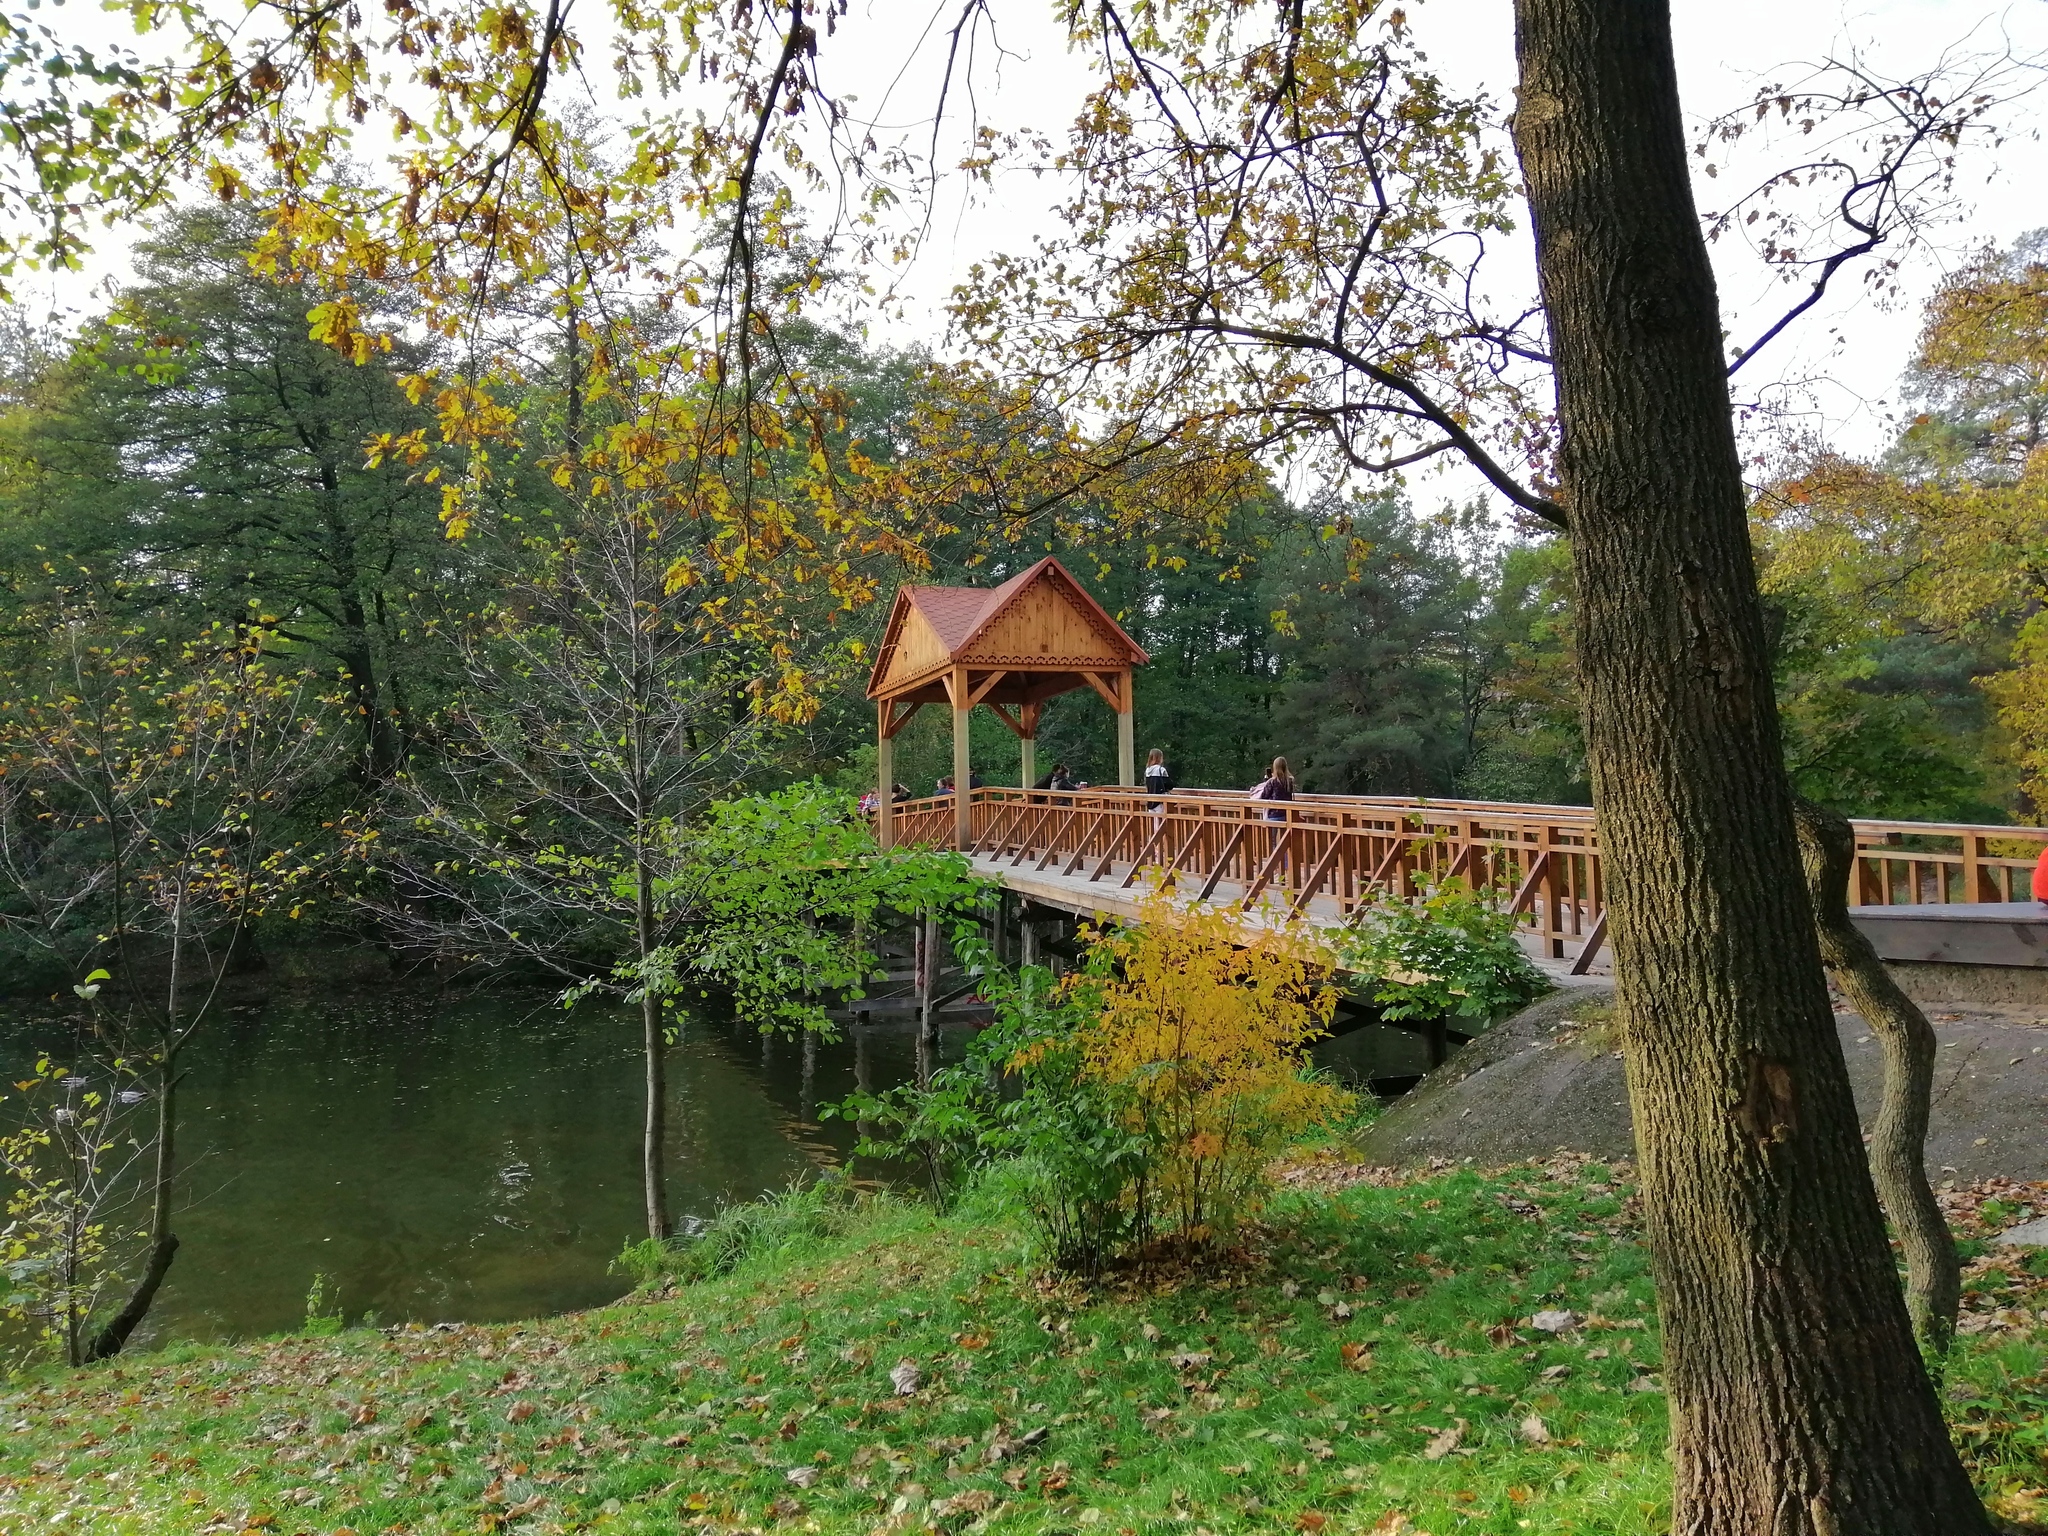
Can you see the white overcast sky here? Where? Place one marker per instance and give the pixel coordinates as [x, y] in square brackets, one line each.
[1844, 359]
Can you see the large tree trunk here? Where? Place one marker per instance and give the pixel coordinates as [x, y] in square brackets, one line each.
[1898, 1140]
[1798, 1401]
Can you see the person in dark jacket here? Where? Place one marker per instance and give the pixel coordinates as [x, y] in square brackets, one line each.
[1059, 778]
[1158, 781]
[1278, 784]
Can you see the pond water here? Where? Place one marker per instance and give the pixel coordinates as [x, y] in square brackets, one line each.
[474, 1160]
[478, 1159]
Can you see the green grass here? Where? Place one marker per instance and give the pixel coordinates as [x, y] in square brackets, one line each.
[1366, 1355]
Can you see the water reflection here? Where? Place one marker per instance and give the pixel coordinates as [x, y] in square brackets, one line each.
[479, 1160]
[474, 1160]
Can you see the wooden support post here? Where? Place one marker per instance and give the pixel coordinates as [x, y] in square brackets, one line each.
[1027, 752]
[1027, 931]
[928, 991]
[1436, 1036]
[1126, 734]
[863, 1075]
[885, 771]
[1591, 948]
[963, 807]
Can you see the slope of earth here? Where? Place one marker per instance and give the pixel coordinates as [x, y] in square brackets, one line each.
[1550, 1079]
[1450, 1352]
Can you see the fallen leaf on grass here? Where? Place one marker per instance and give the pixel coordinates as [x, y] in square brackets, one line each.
[1535, 1431]
[1311, 1521]
[906, 1378]
[1355, 1355]
[1445, 1443]
[1554, 1322]
[801, 1477]
[519, 1412]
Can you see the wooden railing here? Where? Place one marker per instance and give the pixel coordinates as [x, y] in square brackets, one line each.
[1326, 854]
[1900, 863]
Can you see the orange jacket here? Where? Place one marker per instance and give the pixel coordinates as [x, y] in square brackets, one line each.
[2041, 877]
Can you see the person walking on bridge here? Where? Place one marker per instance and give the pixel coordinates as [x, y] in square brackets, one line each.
[1277, 785]
[1158, 782]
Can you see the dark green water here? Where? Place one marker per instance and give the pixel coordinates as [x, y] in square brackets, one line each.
[473, 1160]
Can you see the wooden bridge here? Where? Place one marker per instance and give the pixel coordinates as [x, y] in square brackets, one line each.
[1923, 891]
[1095, 851]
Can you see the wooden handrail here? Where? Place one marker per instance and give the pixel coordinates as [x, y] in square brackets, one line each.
[1327, 855]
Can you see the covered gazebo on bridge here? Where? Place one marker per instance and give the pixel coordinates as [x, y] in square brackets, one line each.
[1011, 647]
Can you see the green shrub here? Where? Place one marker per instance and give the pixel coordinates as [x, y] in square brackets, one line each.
[1023, 1103]
[1453, 953]
[321, 1323]
[1104, 1099]
[807, 1212]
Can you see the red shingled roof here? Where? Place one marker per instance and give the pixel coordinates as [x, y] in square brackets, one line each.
[959, 614]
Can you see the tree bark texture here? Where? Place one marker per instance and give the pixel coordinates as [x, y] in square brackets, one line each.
[1799, 1406]
[1898, 1139]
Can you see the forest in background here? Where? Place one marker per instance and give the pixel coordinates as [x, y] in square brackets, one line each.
[197, 455]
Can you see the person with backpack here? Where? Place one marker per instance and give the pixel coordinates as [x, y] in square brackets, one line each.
[1278, 784]
[1158, 782]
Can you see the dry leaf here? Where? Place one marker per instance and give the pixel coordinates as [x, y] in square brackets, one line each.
[1355, 1355]
[973, 1501]
[1535, 1431]
[1311, 1521]
[1554, 1322]
[1444, 1443]
[801, 1477]
[906, 1378]
[519, 1412]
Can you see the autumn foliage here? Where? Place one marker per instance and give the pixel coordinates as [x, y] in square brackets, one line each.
[1197, 1021]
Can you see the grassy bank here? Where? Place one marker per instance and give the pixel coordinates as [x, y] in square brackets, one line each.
[1367, 1358]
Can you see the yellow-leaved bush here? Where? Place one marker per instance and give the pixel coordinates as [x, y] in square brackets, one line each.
[1199, 1022]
